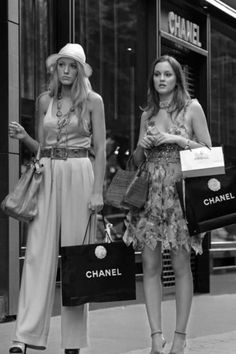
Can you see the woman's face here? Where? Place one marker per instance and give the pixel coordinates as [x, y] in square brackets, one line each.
[67, 70]
[164, 78]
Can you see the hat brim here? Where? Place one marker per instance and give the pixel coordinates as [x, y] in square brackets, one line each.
[53, 58]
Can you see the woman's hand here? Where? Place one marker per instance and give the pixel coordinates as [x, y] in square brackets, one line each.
[96, 203]
[16, 131]
[147, 142]
[165, 138]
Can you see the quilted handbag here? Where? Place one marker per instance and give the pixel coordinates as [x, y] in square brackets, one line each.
[118, 186]
[137, 191]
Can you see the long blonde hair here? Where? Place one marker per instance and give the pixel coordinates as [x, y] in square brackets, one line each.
[79, 90]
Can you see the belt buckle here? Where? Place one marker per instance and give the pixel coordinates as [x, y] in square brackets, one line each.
[59, 153]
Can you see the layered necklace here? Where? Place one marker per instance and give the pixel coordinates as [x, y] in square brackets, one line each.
[63, 118]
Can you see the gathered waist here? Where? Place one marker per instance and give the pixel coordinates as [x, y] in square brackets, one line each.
[62, 153]
[166, 152]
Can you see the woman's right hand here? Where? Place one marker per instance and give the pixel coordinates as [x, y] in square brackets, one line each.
[16, 131]
[147, 142]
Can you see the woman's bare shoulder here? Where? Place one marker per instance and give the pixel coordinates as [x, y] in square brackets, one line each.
[94, 97]
[43, 101]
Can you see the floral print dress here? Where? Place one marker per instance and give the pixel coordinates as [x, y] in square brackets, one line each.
[162, 219]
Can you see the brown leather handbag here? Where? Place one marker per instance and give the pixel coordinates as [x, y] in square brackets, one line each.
[137, 191]
[119, 184]
[21, 203]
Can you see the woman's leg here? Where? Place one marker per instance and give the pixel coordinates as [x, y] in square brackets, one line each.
[184, 293]
[152, 267]
[77, 183]
[40, 268]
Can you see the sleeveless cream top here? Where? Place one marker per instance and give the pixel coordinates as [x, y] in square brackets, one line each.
[73, 134]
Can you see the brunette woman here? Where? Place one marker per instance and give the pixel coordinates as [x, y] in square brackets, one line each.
[171, 121]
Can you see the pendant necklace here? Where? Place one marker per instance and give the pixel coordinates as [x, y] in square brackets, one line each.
[63, 119]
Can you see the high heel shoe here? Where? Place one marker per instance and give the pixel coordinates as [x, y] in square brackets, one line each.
[180, 350]
[18, 348]
[71, 351]
[162, 342]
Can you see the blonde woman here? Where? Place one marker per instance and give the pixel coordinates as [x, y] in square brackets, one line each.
[70, 114]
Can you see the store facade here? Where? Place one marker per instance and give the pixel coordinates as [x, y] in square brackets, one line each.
[121, 39]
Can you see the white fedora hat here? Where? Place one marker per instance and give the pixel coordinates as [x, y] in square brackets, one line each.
[74, 51]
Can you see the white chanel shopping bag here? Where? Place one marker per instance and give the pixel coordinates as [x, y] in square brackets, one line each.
[202, 161]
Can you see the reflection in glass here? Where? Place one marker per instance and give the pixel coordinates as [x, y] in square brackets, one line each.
[108, 30]
[223, 102]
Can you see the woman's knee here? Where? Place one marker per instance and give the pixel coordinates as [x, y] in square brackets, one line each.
[181, 263]
[152, 262]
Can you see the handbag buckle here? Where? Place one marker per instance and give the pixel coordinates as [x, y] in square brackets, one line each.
[59, 153]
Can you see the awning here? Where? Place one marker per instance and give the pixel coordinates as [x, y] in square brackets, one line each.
[227, 6]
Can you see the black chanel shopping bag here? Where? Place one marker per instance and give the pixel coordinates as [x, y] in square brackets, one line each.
[209, 202]
[98, 273]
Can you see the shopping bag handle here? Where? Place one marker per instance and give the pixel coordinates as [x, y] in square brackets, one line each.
[107, 228]
[86, 230]
[204, 144]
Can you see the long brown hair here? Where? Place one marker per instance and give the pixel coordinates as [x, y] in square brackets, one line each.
[181, 95]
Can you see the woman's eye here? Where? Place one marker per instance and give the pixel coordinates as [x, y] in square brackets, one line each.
[73, 66]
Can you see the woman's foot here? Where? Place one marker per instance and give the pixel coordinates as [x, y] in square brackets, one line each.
[18, 348]
[71, 351]
[158, 342]
[179, 343]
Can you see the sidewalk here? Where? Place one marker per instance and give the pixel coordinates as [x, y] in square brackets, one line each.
[124, 330]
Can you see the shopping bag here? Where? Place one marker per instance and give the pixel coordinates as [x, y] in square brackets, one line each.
[137, 191]
[209, 202]
[202, 161]
[97, 273]
[22, 202]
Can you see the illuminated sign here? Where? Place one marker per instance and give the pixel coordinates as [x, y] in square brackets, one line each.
[184, 29]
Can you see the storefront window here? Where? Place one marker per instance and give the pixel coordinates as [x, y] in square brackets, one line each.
[36, 39]
[223, 103]
[108, 32]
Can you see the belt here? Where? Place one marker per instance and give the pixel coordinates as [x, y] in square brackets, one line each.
[62, 153]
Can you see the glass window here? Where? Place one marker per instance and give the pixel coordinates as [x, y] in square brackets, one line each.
[36, 40]
[223, 103]
[108, 32]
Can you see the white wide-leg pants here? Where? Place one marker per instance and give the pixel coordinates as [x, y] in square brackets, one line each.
[63, 210]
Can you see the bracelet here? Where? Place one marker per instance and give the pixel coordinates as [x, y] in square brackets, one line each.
[187, 146]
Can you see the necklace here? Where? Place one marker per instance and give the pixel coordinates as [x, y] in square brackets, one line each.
[63, 119]
[165, 104]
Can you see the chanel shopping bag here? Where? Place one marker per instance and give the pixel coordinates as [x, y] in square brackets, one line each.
[98, 273]
[202, 161]
[209, 202]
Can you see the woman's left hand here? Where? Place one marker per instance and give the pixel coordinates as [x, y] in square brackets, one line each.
[164, 138]
[96, 203]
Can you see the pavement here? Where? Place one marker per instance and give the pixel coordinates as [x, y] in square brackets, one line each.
[124, 329]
